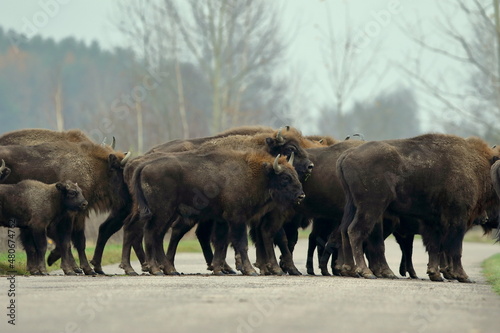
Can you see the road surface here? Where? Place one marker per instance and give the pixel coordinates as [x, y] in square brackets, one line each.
[203, 303]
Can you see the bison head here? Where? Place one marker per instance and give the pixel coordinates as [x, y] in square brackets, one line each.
[117, 184]
[284, 185]
[288, 141]
[4, 172]
[72, 196]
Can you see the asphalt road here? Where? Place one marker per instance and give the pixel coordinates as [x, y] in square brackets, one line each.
[203, 303]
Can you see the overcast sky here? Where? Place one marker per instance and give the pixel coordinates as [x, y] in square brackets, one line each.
[307, 19]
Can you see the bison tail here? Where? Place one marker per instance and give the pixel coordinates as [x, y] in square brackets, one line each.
[349, 208]
[142, 204]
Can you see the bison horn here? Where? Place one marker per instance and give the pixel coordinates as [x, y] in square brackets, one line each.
[104, 141]
[277, 168]
[494, 146]
[290, 160]
[287, 127]
[279, 137]
[125, 159]
[3, 167]
[321, 141]
[113, 143]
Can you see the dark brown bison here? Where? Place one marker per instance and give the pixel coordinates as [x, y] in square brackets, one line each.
[4, 172]
[33, 206]
[230, 187]
[284, 141]
[443, 180]
[94, 167]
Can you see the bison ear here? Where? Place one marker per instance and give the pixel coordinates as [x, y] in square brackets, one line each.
[494, 159]
[60, 186]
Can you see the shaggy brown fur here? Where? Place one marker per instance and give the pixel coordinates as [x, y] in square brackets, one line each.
[33, 206]
[444, 180]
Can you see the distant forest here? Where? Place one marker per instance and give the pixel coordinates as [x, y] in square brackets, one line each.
[69, 84]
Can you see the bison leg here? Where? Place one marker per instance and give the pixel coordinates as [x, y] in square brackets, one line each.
[60, 232]
[132, 230]
[79, 241]
[376, 249]
[27, 240]
[108, 228]
[445, 267]
[40, 243]
[311, 246]
[453, 246]
[432, 241]
[361, 226]
[220, 238]
[180, 227]
[260, 251]
[286, 259]
[203, 233]
[239, 239]
[406, 246]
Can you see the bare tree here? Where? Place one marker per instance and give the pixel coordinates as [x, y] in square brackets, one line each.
[351, 67]
[464, 94]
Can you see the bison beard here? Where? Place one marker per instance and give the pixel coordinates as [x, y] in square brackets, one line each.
[421, 177]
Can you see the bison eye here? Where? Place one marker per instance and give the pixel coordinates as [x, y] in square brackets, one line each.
[72, 193]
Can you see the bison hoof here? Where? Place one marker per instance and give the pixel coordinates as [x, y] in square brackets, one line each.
[71, 273]
[77, 270]
[132, 273]
[464, 280]
[158, 273]
[90, 272]
[435, 277]
[294, 271]
[218, 272]
[448, 275]
[173, 273]
[99, 271]
[252, 273]
[325, 273]
[228, 271]
[388, 274]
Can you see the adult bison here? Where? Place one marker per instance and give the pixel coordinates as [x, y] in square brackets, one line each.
[443, 180]
[33, 206]
[284, 141]
[72, 156]
[228, 186]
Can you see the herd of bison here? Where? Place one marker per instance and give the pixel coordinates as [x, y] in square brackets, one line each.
[251, 181]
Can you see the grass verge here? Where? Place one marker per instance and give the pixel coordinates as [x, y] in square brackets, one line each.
[491, 269]
[112, 255]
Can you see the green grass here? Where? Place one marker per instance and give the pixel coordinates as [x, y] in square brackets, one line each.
[491, 269]
[112, 255]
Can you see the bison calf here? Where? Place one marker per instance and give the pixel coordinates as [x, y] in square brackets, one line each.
[33, 205]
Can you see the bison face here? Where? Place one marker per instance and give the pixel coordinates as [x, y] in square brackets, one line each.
[301, 162]
[284, 185]
[73, 198]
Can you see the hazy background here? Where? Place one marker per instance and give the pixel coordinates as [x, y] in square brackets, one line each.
[152, 71]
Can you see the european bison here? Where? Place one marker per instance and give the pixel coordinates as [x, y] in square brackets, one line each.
[33, 206]
[284, 141]
[68, 155]
[230, 187]
[443, 180]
